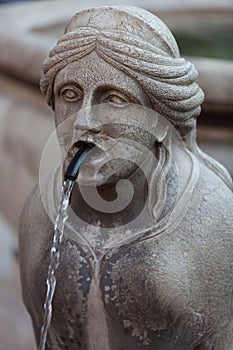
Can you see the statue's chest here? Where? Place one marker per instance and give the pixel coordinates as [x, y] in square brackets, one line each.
[137, 297]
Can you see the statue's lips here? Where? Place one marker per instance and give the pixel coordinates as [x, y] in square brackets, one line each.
[100, 145]
[96, 156]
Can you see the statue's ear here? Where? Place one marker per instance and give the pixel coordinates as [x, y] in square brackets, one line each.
[159, 127]
[162, 134]
[52, 102]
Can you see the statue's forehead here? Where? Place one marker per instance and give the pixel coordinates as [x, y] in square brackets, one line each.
[92, 71]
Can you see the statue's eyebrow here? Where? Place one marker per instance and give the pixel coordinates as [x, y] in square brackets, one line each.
[111, 88]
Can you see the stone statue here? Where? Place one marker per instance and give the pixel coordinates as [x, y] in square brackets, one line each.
[166, 288]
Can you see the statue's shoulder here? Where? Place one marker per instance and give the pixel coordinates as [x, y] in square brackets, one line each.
[33, 208]
[212, 199]
[34, 223]
[212, 185]
[35, 236]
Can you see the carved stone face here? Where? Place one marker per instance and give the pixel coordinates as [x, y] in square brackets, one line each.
[79, 87]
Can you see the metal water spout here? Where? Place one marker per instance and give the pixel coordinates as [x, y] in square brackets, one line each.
[73, 168]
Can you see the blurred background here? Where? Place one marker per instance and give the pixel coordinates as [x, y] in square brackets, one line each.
[28, 29]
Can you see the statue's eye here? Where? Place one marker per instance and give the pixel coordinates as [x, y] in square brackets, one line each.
[116, 99]
[71, 93]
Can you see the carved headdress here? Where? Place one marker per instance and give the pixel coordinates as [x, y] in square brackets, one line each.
[139, 44]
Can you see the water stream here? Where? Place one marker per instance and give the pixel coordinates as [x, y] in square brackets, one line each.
[54, 258]
[70, 177]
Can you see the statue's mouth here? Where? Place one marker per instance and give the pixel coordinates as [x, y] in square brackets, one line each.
[76, 146]
[100, 143]
[97, 144]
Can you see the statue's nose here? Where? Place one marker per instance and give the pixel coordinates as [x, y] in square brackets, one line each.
[86, 119]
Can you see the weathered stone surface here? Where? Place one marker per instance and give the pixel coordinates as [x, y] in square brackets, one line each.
[166, 282]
